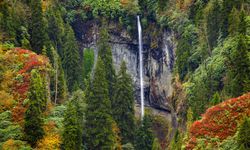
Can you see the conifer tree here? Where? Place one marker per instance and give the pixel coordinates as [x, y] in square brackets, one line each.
[238, 64]
[144, 135]
[243, 135]
[123, 105]
[37, 26]
[106, 55]
[214, 23]
[71, 58]
[99, 134]
[74, 121]
[33, 115]
[71, 129]
[58, 83]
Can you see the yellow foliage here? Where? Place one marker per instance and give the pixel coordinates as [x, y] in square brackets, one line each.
[117, 140]
[51, 140]
[12, 145]
[6, 101]
[8, 80]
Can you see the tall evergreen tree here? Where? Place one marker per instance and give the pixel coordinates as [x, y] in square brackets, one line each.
[123, 105]
[71, 129]
[106, 55]
[71, 58]
[238, 64]
[56, 25]
[58, 83]
[99, 134]
[37, 26]
[144, 136]
[214, 23]
[243, 135]
[33, 116]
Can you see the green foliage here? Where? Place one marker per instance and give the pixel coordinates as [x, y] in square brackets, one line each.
[71, 59]
[104, 8]
[88, 62]
[156, 145]
[144, 136]
[98, 114]
[56, 25]
[123, 105]
[208, 78]
[71, 130]
[9, 130]
[33, 115]
[243, 135]
[57, 116]
[176, 143]
[105, 54]
[238, 68]
[37, 27]
[58, 83]
[229, 144]
[128, 146]
[74, 120]
[214, 23]
[216, 99]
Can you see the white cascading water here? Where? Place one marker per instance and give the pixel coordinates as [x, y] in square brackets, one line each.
[141, 65]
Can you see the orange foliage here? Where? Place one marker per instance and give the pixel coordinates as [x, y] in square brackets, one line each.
[220, 121]
[17, 64]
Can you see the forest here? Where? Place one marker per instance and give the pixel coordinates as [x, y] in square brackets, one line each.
[79, 74]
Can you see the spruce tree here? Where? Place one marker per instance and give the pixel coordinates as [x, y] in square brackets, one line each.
[37, 27]
[71, 58]
[144, 135]
[33, 115]
[71, 129]
[123, 105]
[105, 52]
[243, 135]
[58, 83]
[214, 23]
[74, 121]
[99, 134]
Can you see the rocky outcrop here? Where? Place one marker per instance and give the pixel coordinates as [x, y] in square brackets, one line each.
[158, 60]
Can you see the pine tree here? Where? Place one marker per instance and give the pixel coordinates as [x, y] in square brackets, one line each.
[71, 128]
[73, 122]
[71, 58]
[56, 25]
[243, 135]
[233, 21]
[123, 105]
[99, 133]
[33, 116]
[58, 83]
[37, 27]
[104, 51]
[214, 23]
[144, 135]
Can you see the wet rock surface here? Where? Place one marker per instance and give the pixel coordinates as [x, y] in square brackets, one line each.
[158, 60]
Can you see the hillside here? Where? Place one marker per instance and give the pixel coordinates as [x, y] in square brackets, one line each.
[124, 74]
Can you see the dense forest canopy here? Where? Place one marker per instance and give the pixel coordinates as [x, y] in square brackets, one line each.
[61, 86]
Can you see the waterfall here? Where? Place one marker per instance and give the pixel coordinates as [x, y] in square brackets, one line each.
[141, 65]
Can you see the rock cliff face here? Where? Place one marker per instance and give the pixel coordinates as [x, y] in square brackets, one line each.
[158, 61]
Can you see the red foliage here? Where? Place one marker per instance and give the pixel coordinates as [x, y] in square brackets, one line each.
[221, 120]
[30, 60]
